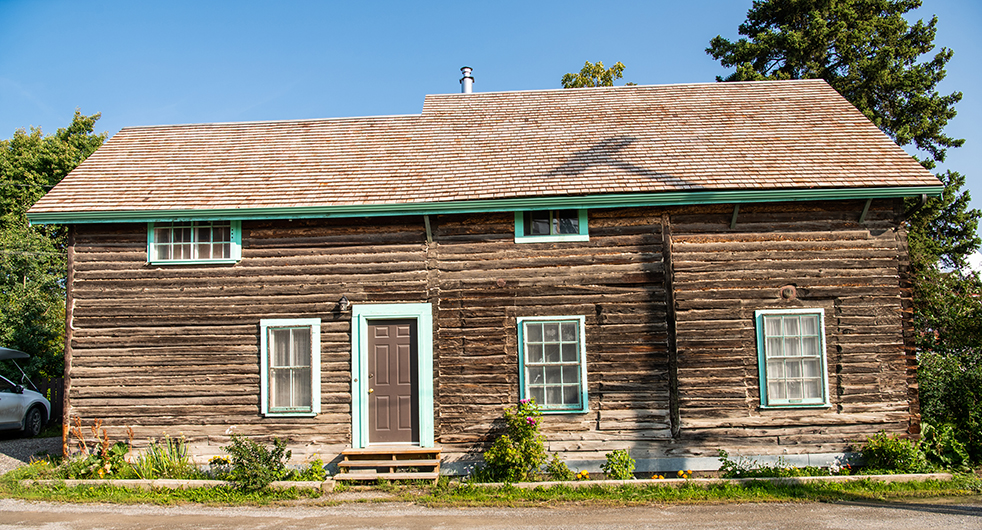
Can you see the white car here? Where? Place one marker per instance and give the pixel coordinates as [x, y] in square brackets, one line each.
[20, 408]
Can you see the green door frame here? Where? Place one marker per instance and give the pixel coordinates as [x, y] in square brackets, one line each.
[361, 314]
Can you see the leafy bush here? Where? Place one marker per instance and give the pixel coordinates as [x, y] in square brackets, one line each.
[518, 454]
[885, 453]
[313, 472]
[942, 447]
[950, 389]
[254, 466]
[558, 470]
[619, 465]
[744, 467]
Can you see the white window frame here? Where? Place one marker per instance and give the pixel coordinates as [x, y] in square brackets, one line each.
[265, 325]
[235, 245]
[583, 235]
[522, 377]
[765, 400]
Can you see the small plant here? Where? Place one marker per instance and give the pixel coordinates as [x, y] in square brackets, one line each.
[583, 475]
[167, 459]
[219, 468]
[314, 472]
[254, 466]
[619, 465]
[558, 470]
[518, 454]
[685, 473]
[885, 453]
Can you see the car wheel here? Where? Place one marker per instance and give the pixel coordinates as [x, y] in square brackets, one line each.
[33, 422]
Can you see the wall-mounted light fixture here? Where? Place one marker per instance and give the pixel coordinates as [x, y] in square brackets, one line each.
[343, 303]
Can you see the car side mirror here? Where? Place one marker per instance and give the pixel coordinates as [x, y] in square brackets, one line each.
[18, 389]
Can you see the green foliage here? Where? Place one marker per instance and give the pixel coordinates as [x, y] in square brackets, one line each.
[942, 447]
[32, 258]
[254, 466]
[889, 454]
[107, 461]
[167, 459]
[558, 470]
[951, 394]
[619, 465]
[518, 454]
[313, 471]
[594, 75]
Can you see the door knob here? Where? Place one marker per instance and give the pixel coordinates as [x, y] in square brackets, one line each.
[370, 390]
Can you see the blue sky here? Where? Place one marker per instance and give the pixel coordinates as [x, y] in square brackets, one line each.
[148, 63]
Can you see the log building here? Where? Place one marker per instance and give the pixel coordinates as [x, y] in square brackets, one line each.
[665, 269]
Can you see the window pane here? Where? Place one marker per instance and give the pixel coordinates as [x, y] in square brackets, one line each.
[163, 252]
[571, 374]
[794, 390]
[567, 222]
[791, 326]
[791, 348]
[301, 388]
[793, 368]
[554, 395]
[810, 368]
[775, 390]
[810, 346]
[551, 332]
[279, 384]
[537, 223]
[775, 370]
[204, 233]
[204, 251]
[533, 332]
[535, 375]
[223, 251]
[569, 332]
[301, 346]
[569, 353]
[538, 394]
[571, 395]
[534, 353]
[280, 354]
[161, 235]
[809, 325]
[554, 375]
[182, 251]
[813, 389]
[552, 353]
[772, 326]
[773, 348]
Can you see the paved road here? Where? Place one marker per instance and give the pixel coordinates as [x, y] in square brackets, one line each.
[947, 514]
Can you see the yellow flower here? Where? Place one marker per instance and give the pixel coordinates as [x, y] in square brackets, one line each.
[689, 472]
[681, 472]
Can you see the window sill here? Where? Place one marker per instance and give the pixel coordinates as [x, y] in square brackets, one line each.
[564, 411]
[552, 239]
[798, 406]
[195, 262]
[290, 414]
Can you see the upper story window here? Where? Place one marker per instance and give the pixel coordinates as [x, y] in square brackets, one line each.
[552, 357]
[791, 358]
[551, 226]
[194, 242]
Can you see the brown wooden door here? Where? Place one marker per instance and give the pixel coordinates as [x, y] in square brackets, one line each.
[393, 399]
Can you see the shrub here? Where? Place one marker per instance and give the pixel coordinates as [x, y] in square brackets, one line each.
[169, 459]
[951, 394]
[558, 470]
[619, 465]
[518, 454]
[942, 447]
[254, 466]
[312, 472]
[885, 453]
[744, 467]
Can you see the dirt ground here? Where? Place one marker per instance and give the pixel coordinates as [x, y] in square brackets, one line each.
[16, 451]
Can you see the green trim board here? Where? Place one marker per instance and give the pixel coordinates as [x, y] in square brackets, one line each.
[582, 226]
[615, 200]
[361, 314]
[771, 402]
[314, 325]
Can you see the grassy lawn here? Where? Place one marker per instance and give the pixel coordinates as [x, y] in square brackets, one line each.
[455, 494]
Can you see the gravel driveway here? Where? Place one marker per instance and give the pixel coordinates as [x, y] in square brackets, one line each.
[16, 451]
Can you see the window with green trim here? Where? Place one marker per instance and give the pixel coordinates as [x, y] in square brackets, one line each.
[290, 366]
[552, 360]
[791, 358]
[194, 242]
[551, 226]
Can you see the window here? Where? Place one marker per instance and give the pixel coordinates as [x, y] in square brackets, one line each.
[791, 358]
[553, 362]
[290, 366]
[551, 226]
[194, 242]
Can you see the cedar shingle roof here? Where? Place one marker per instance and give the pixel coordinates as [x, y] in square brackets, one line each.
[713, 137]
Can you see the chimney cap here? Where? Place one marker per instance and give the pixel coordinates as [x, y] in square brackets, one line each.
[467, 81]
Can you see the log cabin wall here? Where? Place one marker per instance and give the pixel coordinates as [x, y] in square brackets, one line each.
[851, 270]
[174, 349]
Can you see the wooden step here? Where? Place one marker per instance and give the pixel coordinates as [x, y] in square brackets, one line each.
[390, 462]
[359, 476]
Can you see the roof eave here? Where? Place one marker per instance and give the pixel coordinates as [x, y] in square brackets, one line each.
[481, 206]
